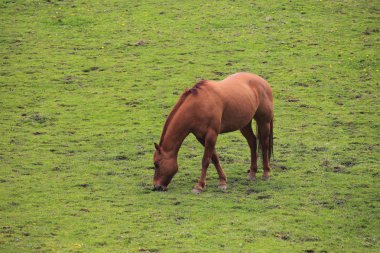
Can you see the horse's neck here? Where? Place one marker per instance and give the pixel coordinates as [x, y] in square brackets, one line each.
[177, 131]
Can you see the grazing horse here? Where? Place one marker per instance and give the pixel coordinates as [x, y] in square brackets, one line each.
[211, 108]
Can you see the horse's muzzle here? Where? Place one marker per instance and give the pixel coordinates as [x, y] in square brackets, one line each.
[159, 188]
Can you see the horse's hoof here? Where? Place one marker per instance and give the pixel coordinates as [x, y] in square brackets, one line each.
[251, 177]
[266, 178]
[196, 190]
[223, 187]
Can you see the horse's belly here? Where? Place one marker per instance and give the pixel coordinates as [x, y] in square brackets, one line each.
[236, 118]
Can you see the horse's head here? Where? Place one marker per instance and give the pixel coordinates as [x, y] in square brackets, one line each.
[165, 167]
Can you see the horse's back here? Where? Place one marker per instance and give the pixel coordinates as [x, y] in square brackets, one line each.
[233, 102]
[242, 95]
[246, 86]
[251, 80]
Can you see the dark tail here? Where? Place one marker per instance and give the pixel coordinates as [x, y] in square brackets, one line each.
[259, 137]
[271, 153]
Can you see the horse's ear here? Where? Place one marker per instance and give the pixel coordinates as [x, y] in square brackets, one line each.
[157, 147]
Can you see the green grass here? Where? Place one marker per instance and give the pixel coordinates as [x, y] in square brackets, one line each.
[84, 90]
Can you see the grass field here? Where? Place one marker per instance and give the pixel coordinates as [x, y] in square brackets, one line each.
[85, 87]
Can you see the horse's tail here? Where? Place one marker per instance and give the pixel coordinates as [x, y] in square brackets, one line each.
[259, 137]
[271, 154]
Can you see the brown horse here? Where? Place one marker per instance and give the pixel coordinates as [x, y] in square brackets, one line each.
[211, 108]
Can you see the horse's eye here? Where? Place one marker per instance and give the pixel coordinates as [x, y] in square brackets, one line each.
[156, 165]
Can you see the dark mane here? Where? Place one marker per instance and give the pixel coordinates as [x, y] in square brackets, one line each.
[184, 95]
[171, 115]
[197, 86]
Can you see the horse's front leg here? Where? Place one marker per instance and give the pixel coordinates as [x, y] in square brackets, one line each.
[218, 167]
[210, 141]
[222, 176]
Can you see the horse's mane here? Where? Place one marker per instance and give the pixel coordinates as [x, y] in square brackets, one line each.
[171, 115]
[182, 99]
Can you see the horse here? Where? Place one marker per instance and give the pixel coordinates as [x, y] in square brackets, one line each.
[211, 108]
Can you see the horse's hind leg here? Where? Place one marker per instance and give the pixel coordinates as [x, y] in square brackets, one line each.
[218, 167]
[264, 129]
[251, 139]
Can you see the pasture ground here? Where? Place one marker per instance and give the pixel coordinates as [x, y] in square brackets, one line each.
[84, 90]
